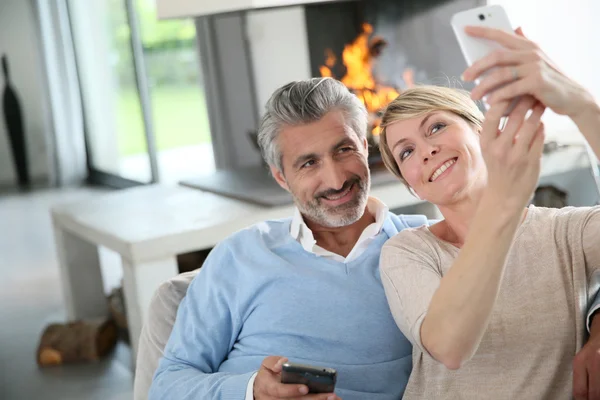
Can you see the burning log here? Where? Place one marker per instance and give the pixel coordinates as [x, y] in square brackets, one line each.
[376, 47]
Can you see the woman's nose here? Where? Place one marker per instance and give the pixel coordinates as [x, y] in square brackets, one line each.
[429, 152]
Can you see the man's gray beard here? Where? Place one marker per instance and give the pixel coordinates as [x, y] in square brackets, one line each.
[344, 215]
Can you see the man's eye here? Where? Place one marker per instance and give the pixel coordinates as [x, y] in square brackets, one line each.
[309, 163]
[345, 149]
[405, 153]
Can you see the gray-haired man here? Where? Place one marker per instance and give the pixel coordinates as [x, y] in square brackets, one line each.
[306, 288]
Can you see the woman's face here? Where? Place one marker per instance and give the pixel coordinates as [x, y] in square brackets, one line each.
[439, 156]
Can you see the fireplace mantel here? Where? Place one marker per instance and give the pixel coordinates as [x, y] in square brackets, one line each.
[195, 8]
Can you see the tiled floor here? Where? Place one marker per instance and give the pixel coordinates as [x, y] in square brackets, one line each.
[30, 298]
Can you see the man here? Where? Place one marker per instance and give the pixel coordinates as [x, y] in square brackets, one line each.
[305, 288]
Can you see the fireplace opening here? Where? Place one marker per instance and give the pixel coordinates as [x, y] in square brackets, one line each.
[378, 48]
[359, 59]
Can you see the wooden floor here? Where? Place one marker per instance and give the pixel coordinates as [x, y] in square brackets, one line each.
[30, 298]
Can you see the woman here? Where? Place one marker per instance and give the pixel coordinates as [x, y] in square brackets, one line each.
[494, 296]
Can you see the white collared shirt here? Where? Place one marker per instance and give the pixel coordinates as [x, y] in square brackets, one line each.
[302, 233]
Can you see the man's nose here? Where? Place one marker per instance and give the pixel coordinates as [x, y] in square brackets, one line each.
[333, 176]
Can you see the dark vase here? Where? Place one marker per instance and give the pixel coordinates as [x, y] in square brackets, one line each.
[14, 123]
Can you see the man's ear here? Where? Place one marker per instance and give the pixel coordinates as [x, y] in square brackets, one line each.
[365, 143]
[279, 178]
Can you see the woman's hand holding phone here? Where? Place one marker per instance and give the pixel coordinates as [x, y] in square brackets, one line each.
[522, 68]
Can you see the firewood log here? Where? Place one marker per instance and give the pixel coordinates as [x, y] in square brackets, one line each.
[79, 341]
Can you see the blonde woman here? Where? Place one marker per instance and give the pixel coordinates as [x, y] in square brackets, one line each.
[494, 297]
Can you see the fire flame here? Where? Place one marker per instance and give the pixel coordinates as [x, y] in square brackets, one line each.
[330, 60]
[358, 60]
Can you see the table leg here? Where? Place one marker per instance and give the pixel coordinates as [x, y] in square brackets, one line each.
[140, 281]
[81, 276]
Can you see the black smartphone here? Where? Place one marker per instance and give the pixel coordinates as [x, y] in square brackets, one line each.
[318, 379]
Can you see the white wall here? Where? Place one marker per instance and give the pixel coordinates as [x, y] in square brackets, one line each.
[568, 31]
[19, 39]
[278, 49]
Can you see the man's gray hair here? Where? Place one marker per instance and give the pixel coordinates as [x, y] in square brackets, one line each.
[303, 102]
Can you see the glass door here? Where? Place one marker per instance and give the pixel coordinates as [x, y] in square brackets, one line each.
[141, 85]
[179, 110]
[115, 133]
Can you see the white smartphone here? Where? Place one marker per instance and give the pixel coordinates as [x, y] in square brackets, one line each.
[472, 48]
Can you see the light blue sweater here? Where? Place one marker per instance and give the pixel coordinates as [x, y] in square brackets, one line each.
[260, 293]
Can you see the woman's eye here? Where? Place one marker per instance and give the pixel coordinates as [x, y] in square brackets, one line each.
[405, 153]
[436, 127]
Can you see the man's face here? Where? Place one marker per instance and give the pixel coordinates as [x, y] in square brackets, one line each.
[325, 169]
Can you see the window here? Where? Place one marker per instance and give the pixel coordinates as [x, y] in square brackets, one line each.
[141, 83]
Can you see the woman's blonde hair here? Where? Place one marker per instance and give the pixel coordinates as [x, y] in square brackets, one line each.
[422, 100]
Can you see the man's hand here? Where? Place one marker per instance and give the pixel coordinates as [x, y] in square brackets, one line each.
[586, 366]
[268, 386]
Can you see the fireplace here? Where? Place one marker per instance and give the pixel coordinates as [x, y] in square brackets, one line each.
[378, 48]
